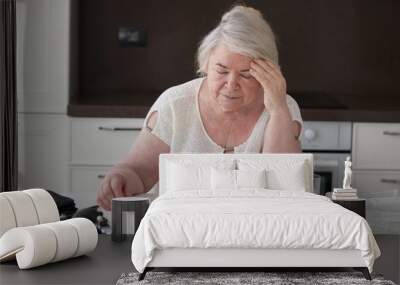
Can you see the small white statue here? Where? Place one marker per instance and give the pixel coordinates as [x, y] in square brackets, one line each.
[347, 174]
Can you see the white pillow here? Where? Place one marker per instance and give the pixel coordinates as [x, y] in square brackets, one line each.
[293, 178]
[183, 177]
[236, 179]
[190, 172]
[223, 179]
[251, 178]
[281, 174]
[193, 175]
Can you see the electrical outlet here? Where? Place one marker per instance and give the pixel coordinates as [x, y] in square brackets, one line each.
[132, 36]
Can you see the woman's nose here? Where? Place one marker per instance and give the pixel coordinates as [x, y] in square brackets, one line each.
[232, 82]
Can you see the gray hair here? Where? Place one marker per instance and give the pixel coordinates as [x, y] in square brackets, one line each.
[243, 30]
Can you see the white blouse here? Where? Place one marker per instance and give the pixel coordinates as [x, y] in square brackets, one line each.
[180, 126]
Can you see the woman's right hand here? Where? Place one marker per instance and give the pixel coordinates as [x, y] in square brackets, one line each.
[137, 172]
[114, 185]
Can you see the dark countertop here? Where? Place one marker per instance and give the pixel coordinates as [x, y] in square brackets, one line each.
[339, 108]
[110, 259]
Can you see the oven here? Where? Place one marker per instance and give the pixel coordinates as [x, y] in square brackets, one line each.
[330, 143]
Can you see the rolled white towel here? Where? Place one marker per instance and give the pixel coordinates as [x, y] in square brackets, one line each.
[40, 244]
[33, 246]
[26, 208]
[45, 205]
[23, 208]
[87, 235]
[67, 240]
[7, 218]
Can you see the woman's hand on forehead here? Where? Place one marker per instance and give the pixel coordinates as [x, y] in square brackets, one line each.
[269, 75]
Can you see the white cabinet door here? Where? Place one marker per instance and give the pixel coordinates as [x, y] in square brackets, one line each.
[373, 183]
[376, 146]
[96, 145]
[43, 152]
[42, 55]
[102, 141]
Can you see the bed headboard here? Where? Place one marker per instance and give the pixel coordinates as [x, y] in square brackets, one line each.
[211, 159]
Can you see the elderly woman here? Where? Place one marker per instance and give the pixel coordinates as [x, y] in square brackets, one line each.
[239, 104]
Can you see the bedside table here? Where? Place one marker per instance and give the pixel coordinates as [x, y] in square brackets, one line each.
[356, 205]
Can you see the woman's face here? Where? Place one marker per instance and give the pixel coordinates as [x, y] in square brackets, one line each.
[230, 82]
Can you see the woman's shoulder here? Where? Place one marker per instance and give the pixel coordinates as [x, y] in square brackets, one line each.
[290, 100]
[181, 92]
[177, 99]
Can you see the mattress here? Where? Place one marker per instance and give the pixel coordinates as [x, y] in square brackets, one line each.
[250, 218]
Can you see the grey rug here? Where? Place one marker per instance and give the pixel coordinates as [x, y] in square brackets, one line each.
[229, 278]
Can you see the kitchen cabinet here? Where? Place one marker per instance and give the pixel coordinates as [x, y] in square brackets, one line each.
[377, 181]
[376, 146]
[102, 141]
[376, 173]
[96, 145]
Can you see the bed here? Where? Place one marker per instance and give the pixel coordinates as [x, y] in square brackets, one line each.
[247, 211]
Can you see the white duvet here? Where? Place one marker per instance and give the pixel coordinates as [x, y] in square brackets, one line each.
[253, 218]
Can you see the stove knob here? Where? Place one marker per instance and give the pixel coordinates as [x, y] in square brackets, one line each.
[309, 134]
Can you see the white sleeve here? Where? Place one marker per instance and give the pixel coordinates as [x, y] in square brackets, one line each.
[295, 112]
[163, 127]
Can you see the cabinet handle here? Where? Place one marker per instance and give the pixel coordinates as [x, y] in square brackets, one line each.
[113, 129]
[101, 176]
[391, 181]
[390, 133]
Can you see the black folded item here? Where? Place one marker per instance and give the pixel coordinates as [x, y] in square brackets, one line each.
[62, 201]
[92, 213]
[65, 205]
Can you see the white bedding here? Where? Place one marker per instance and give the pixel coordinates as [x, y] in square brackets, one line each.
[251, 218]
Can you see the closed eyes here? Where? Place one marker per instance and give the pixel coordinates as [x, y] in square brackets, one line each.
[222, 72]
[247, 76]
[243, 75]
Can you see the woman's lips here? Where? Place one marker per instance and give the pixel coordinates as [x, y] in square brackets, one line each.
[231, 97]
